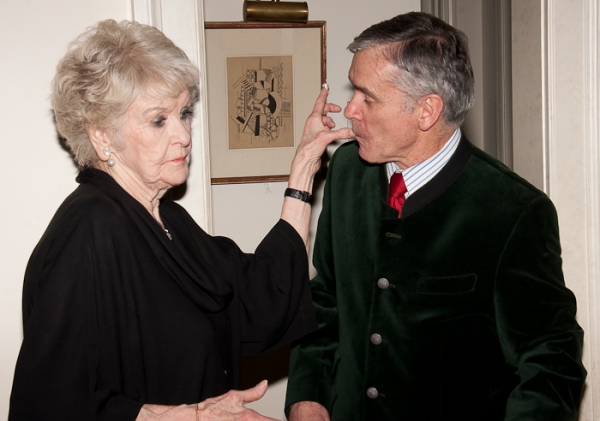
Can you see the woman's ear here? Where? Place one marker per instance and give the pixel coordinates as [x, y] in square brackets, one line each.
[431, 107]
[100, 141]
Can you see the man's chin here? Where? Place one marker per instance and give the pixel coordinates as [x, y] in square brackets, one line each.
[365, 156]
[370, 158]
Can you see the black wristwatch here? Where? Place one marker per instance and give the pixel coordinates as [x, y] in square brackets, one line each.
[298, 194]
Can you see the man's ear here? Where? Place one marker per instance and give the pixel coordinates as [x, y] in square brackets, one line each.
[100, 141]
[430, 110]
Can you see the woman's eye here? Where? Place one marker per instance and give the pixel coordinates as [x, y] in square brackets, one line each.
[186, 114]
[158, 121]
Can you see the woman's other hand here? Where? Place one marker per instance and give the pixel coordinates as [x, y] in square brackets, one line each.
[227, 407]
[230, 406]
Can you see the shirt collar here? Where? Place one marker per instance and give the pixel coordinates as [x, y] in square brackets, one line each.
[418, 175]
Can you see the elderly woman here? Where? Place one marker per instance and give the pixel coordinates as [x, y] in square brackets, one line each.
[131, 311]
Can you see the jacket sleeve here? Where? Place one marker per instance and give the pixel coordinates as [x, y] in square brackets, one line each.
[312, 361]
[535, 315]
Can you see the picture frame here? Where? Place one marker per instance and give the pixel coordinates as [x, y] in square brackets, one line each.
[262, 82]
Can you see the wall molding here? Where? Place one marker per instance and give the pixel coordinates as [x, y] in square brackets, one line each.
[183, 22]
[148, 12]
[504, 120]
[443, 9]
[592, 191]
[548, 57]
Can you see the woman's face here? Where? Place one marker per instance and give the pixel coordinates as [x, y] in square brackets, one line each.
[155, 142]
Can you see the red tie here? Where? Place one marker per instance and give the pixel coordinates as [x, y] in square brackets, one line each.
[397, 192]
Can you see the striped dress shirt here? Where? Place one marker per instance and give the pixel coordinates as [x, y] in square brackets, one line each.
[418, 175]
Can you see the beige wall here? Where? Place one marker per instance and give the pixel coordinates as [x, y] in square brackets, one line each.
[556, 47]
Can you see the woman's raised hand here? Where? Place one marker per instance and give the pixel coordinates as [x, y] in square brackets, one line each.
[318, 133]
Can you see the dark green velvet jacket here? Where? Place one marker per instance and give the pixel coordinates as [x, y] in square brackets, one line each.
[474, 317]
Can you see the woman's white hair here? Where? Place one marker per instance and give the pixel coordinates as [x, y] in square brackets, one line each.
[105, 69]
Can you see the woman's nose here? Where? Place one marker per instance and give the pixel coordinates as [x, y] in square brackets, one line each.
[183, 134]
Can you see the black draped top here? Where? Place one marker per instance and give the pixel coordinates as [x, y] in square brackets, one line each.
[116, 314]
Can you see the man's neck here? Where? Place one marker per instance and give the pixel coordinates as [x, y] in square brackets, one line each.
[430, 143]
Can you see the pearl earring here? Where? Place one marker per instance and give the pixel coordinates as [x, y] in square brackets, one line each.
[110, 162]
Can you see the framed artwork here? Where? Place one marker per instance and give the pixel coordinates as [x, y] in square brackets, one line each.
[262, 82]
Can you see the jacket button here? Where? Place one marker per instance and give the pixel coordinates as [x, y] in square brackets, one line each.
[383, 283]
[372, 392]
[376, 338]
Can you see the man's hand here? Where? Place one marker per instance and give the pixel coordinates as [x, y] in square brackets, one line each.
[308, 411]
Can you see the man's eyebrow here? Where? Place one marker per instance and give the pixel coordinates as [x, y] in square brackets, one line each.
[363, 89]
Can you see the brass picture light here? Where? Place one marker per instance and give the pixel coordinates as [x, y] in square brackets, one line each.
[275, 11]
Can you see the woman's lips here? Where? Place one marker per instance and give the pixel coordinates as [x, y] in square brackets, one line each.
[178, 160]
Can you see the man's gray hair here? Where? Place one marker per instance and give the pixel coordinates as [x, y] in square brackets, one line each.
[431, 57]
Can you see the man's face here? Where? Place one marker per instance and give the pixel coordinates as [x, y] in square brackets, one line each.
[385, 126]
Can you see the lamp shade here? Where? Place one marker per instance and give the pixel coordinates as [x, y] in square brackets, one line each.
[275, 11]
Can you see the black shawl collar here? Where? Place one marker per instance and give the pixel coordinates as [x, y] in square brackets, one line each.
[200, 284]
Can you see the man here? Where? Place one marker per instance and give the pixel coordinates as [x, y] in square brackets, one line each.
[453, 307]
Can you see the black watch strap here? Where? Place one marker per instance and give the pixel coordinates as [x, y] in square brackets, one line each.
[298, 194]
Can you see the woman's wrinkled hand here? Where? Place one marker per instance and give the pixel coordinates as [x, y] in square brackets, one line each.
[230, 406]
[318, 133]
[227, 407]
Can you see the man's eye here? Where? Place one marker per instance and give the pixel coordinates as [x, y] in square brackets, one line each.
[158, 121]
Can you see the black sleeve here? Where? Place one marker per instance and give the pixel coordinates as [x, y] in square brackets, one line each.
[276, 303]
[536, 322]
[271, 303]
[57, 369]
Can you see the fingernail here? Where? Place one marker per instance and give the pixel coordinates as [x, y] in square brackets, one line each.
[326, 86]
